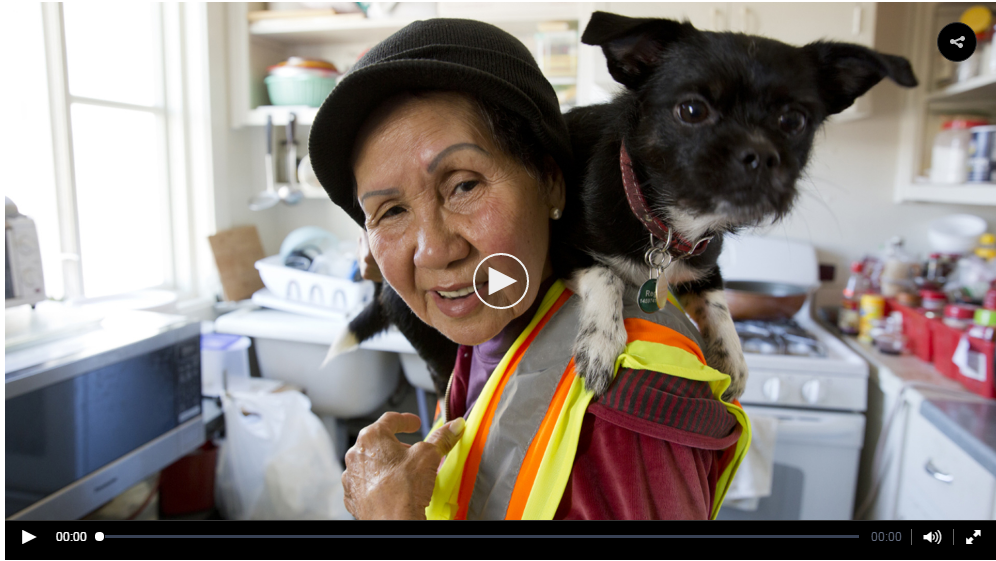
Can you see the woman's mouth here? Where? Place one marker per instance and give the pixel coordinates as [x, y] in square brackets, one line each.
[458, 302]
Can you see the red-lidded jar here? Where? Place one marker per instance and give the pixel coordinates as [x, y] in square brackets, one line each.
[959, 316]
[933, 300]
[989, 301]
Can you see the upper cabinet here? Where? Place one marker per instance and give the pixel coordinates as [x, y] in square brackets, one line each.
[939, 97]
[256, 43]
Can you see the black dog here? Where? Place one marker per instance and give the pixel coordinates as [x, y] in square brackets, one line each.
[717, 128]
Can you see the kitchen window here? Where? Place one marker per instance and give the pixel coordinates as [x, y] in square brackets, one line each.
[117, 215]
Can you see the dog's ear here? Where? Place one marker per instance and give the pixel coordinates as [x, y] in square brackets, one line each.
[846, 71]
[632, 46]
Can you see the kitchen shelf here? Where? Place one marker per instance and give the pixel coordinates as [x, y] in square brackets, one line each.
[980, 88]
[326, 29]
[280, 113]
[966, 193]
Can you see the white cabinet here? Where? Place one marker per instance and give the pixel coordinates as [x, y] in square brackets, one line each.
[939, 481]
[925, 106]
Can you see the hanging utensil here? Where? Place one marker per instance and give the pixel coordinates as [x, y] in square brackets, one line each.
[269, 198]
[290, 193]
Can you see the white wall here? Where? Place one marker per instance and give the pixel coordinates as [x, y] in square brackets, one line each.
[847, 209]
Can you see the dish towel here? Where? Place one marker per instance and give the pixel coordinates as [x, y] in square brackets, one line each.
[753, 479]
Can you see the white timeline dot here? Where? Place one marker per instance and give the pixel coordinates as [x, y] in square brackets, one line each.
[99, 536]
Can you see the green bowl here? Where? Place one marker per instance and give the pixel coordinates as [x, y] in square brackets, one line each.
[298, 90]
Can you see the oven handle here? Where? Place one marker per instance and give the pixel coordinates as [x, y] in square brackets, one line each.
[937, 474]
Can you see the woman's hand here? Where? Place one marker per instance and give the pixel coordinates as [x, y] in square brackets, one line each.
[368, 267]
[386, 479]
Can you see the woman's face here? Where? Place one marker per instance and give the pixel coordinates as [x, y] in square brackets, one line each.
[439, 197]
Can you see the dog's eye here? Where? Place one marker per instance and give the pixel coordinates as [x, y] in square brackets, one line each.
[792, 122]
[693, 111]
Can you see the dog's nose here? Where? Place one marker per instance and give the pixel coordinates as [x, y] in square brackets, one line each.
[758, 156]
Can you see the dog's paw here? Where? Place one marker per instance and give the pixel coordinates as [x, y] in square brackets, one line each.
[732, 363]
[601, 334]
[346, 342]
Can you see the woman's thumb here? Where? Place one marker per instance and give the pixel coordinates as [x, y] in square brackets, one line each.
[445, 437]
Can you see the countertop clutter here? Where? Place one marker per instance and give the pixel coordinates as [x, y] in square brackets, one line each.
[927, 328]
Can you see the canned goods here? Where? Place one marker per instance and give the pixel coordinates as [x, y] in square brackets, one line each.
[982, 154]
[872, 308]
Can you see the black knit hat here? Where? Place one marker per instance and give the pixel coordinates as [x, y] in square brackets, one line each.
[436, 54]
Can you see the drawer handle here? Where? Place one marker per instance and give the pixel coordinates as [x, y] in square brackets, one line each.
[937, 474]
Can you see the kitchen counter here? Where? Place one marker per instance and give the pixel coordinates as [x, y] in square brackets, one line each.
[898, 386]
[972, 426]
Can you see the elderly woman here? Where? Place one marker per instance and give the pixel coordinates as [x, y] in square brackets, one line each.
[447, 145]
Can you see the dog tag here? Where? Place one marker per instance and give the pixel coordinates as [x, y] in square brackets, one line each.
[647, 297]
[660, 291]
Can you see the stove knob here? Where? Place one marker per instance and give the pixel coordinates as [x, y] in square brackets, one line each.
[772, 388]
[812, 391]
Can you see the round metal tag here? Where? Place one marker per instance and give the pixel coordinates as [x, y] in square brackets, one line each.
[647, 297]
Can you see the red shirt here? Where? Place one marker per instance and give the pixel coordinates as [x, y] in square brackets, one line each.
[649, 448]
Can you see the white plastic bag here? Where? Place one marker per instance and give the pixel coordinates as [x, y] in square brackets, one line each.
[277, 463]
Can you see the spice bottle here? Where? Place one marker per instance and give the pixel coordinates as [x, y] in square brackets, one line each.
[850, 315]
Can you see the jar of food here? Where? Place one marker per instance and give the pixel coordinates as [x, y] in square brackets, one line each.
[949, 156]
[959, 316]
[985, 318]
[989, 300]
[872, 308]
[933, 301]
[909, 299]
[891, 340]
[849, 319]
[982, 154]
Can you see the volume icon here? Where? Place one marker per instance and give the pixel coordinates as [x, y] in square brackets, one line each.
[933, 537]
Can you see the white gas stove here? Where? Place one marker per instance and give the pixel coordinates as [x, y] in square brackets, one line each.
[806, 406]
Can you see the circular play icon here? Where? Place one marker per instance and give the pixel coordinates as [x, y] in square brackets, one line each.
[956, 41]
[507, 283]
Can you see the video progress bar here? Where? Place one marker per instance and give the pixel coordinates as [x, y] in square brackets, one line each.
[516, 536]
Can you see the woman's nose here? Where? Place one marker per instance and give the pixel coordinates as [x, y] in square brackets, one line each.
[438, 245]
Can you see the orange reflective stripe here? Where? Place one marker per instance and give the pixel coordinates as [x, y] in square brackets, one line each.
[534, 455]
[642, 330]
[473, 462]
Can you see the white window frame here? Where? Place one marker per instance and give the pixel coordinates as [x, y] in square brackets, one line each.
[182, 112]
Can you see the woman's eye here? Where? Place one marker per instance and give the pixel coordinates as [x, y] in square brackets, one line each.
[693, 111]
[465, 186]
[393, 211]
[792, 122]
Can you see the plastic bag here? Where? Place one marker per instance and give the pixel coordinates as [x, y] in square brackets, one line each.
[277, 462]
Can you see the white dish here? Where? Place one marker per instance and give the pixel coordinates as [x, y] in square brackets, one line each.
[957, 233]
[328, 293]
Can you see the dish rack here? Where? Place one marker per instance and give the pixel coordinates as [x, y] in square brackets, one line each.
[330, 293]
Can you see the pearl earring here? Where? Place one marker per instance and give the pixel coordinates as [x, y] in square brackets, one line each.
[555, 213]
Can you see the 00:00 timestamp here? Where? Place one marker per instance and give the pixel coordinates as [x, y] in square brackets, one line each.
[886, 536]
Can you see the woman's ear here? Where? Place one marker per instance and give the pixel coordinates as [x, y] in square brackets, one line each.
[555, 187]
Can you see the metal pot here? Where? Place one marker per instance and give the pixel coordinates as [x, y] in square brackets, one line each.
[764, 300]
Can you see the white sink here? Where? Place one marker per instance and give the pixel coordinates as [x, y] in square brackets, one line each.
[291, 348]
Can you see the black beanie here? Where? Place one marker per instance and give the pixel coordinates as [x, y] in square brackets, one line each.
[436, 54]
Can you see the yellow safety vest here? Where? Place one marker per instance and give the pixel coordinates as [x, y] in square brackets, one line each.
[517, 449]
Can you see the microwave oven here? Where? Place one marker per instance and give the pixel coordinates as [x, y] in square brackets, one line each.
[24, 283]
[83, 427]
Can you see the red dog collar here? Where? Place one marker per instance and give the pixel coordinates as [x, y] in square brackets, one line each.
[679, 245]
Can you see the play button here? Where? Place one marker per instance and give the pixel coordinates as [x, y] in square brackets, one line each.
[504, 271]
[498, 281]
[26, 537]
